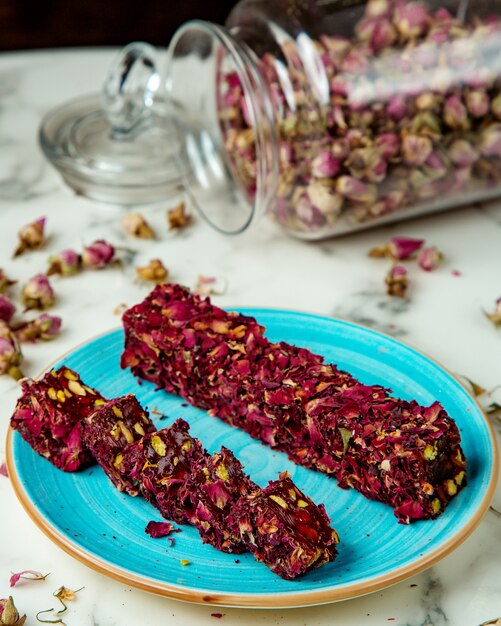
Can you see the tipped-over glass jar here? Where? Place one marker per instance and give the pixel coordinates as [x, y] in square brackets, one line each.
[337, 115]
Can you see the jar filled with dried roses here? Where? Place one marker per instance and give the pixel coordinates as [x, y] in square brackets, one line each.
[337, 115]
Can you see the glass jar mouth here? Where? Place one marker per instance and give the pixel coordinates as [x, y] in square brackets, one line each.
[203, 59]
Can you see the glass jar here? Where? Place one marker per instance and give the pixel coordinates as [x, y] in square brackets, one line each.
[337, 115]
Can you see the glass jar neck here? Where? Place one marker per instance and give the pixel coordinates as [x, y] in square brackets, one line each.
[211, 78]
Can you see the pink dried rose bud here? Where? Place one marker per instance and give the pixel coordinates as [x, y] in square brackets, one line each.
[325, 165]
[325, 199]
[38, 293]
[416, 149]
[397, 281]
[9, 615]
[155, 271]
[27, 574]
[388, 145]
[399, 248]
[429, 258]
[436, 166]
[31, 236]
[135, 225]
[397, 107]
[495, 317]
[356, 190]
[177, 217]
[65, 263]
[478, 103]
[367, 164]
[462, 153]
[5, 282]
[411, 19]
[7, 309]
[10, 353]
[496, 106]
[379, 33]
[98, 255]
[455, 114]
[43, 328]
[490, 140]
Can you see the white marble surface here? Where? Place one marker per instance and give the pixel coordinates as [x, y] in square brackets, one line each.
[442, 317]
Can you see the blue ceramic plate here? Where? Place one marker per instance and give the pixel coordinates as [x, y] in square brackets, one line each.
[91, 520]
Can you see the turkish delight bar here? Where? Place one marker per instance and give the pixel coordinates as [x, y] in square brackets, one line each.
[284, 529]
[108, 429]
[159, 464]
[398, 452]
[48, 414]
[215, 486]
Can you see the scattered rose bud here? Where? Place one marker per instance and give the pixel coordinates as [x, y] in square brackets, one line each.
[155, 271]
[7, 309]
[38, 293]
[31, 237]
[429, 258]
[397, 281]
[10, 353]
[43, 328]
[399, 248]
[160, 529]
[98, 255]
[65, 263]
[455, 114]
[325, 165]
[27, 574]
[326, 200]
[210, 286]
[477, 103]
[495, 317]
[9, 615]
[416, 149]
[135, 225]
[5, 282]
[177, 217]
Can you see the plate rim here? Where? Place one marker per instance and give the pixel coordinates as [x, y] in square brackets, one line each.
[260, 600]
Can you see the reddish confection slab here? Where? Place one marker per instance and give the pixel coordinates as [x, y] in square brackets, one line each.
[159, 464]
[108, 429]
[48, 414]
[215, 486]
[284, 529]
[394, 451]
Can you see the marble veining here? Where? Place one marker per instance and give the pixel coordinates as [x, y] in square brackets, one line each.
[443, 316]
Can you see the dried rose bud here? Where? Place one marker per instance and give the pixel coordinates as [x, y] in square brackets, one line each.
[478, 103]
[397, 108]
[490, 140]
[495, 317]
[388, 145]
[367, 164]
[356, 190]
[9, 615]
[177, 217]
[378, 8]
[322, 199]
[5, 282]
[429, 258]
[462, 153]
[411, 19]
[399, 248]
[154, 271]
[31, 236]
[135, 225]
[38, 293]
[455, 113]
[7, 309]
[436, 166]
[98, 255]
[416, 149]
[10, 353]
[325, 165]
[43, 328]
[397, 281]
[65, 263]
[379, 33]
[496, 106]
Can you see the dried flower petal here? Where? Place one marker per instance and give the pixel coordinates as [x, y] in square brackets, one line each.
[98, 255]
[429, 258]
[65, 263]
[27, 574]
[184, 562]
[217, 615]
[154, 271]
[477, 103]
[38, 293]
[135, 225]
[9, 615]
[160, 529]
[495, 317]
[397, 281]
[177, 217]
[7, 309]
[44, 328]
[5, 282]
[10, 353]
[3, 470]
[31, 236]
[210, 286]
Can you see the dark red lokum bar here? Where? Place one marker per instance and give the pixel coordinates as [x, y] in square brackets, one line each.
[215, 486]
[160, 464]
[108, 429]
[285, 529]
[394, 451]
[48, 414]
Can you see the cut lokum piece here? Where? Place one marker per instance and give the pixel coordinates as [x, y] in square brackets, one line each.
[215, 486]
[159, 464]
[111, 427]
[48, 414]
[285, 529]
